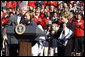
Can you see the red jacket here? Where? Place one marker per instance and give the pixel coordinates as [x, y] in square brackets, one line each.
[45, 20]
[4, 21]
[54, 3]
[32, 3]
[79, 31]
[45, 3]
[59, 21]
[3, 15]
[42, 15]
[70, 2]
[70, 21]
[14, 5]
[18, 1]
[82, 3]
[9, 4]
[37, 20]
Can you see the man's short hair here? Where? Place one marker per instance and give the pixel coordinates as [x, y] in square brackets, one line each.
[22, 7]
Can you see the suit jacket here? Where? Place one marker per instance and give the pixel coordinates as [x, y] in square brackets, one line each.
[69, 26]
[72, 28]
[12, 22]
[32, 23]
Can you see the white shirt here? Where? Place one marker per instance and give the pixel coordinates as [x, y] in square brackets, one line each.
[18, 19]
[68, 33]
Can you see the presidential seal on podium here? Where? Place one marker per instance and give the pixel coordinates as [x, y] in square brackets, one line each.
[20, 29]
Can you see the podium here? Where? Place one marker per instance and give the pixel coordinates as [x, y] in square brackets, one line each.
[26, 38]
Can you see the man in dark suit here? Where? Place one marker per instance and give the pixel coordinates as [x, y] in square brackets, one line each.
[66, 36]
[13, 21]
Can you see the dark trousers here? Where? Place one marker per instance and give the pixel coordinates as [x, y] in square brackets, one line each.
[61, 50]
[79, 44]
[13, 50]
[66, 50]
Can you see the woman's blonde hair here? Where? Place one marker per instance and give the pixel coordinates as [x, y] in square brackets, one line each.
[49, 22]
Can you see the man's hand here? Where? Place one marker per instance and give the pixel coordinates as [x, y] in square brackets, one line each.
[4, 11]
[4, 37]
[53, 32]
[49, 28]
[64, 26]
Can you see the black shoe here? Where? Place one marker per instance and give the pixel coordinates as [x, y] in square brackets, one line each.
[55, 54]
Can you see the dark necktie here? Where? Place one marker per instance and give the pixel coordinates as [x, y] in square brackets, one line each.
[63, 37]
[63, 34]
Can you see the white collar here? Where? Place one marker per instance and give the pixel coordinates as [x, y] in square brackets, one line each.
[78, 20]
[36, 17]
[28, 22]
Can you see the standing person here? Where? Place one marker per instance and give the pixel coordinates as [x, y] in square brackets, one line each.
[14, 5]
[55, 18]
[41, 40]
[79, 35]
[66, 37]
[47, 40]
[32, 3]
[37, 17]
[46, 19]
[39, 3]
[54, 36]
[9, 5]
[29, 21]
[54, 3]
[13, 21]
[51, 10]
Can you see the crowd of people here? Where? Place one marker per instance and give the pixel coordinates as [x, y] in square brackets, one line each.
[63, 22]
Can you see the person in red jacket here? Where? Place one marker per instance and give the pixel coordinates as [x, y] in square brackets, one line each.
[9, 5]
[46, 19]
[79, 35]
[82, 3]
[37, 18]
[42, 15]
[32, 3]
[42, 11]
[14, 5]
[52, 3]
[19, 1]
[45, 3]
[2, 14]
[4, 21]
[71, 2]
[60, 21]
